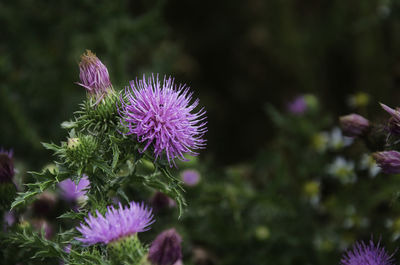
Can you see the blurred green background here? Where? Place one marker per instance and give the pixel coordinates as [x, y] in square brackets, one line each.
[236, 55]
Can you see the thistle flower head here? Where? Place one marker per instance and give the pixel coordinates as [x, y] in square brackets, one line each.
[93, 74]
[166, 248]
[71, 191]
[353, 125]
[115, 224]
[6, 166]
[394, 121]
[161, 116]
[363, 254]
[388, 161]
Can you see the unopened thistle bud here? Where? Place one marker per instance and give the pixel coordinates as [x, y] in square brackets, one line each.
[160, 201]
[388, 161]
[166, 248]
[394, 121]
[353, 125]
[80, 150]
[93, 75]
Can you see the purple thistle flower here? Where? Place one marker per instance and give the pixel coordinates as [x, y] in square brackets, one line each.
[6, 166]
[190, 177]
[353, 125]
[117, 223]
[166, 248]
[93, 74]
[394, 121]
[161, 116]
[388, 161]
[298, 106]
[73, 192]
[363, 254]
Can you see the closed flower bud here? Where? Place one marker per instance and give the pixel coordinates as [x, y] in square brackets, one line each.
[166, 248]
[44, 205]
[353, 125]
[93, 75]
[80, 150]
[388, 161]
[160, 201]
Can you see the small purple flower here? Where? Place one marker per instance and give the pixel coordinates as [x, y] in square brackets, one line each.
[298, 106]
[388, 161]
[190, 177]
[394, 121]
[166, 248]
[160, 115]
[6, 166]
[73, 192]
[117, 223]
[363, 254]
[161, 201]
[353, 125]
[93, 74]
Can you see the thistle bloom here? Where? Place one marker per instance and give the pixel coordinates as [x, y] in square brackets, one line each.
[160, 115]
[93, 74]
[394, 121]
[166, 248]
[73, 192]
[363, 254]
[388, 161]
[6, 166]
[190, 177]
[298, 106]
[353, 125]
[117, 223]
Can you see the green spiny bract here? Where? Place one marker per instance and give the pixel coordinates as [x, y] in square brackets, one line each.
[127, 250]
[97, 118]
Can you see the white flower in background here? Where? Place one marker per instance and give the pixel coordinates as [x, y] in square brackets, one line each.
[343, 170]
[367, 162]
[337, 140]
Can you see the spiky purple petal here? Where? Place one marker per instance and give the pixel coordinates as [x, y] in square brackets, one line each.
[394, 121]
[363, 254]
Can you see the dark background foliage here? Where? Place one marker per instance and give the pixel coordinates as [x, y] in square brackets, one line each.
[236, 55]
